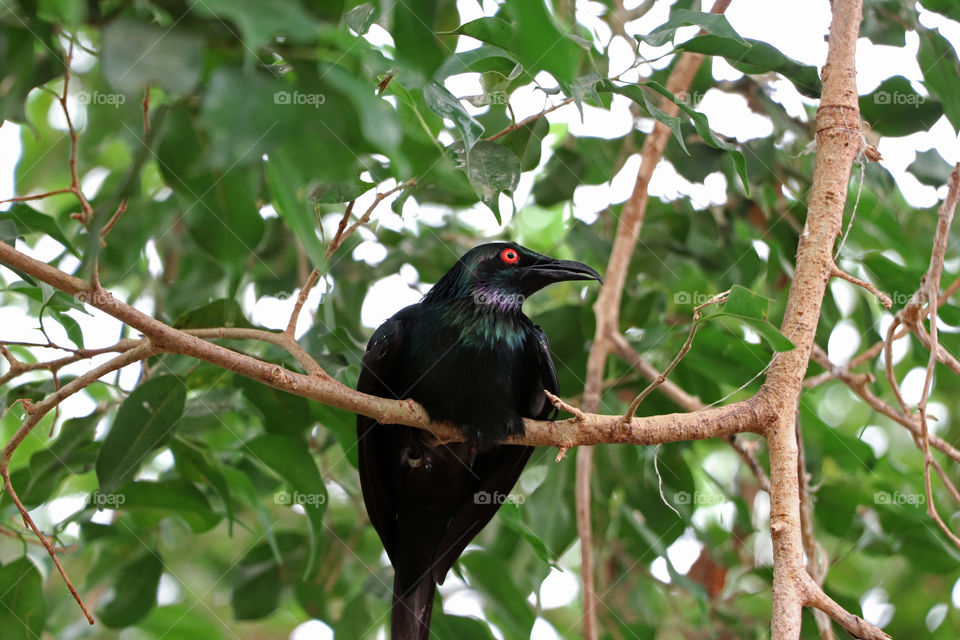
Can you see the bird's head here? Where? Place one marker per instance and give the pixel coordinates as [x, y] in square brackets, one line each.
[501, 275]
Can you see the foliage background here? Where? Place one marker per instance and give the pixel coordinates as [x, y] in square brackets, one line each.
[264, 119]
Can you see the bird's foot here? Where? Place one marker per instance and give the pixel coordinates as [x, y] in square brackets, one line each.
[578, 415]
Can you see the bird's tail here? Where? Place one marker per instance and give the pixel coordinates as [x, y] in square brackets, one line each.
[410, 615]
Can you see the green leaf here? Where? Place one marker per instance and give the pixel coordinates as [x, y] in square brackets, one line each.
[414, 35]
[221, 215]
[196, 459]
[134, 591]
[754, 57]
[225, 312]
[72, 453]
[290, 203]
[167, 498]
[509, 604]
[136, 53]
[895, 109]
[378, 120]
[262, 574]
[281, 412]
[938, 61]
[460, 627]
[930, 168]
[23, 611]
[510, 516]
[25, 65]
[70, 12]
[144, 422]
[290, 459]
[636, 94]
[179, 621]
[745, 303]
[260, 22]
[751, 308]
[526, 142]
[710, 22]
[71, 326]
[332, 193]
[492, 169]
[948, 8]
[531, 35]
[8, 232]
[444, 104]
[360, 17]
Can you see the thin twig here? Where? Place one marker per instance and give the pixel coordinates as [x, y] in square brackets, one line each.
[86, 211]
[935, 272]
[720, 297]
[528, 120]
[341, 236]
[38, 196]
[146, 110]
[35, 412]
[301, 299]
[112, 221]
[837, 272]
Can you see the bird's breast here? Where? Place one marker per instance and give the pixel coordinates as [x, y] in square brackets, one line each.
[474, 381]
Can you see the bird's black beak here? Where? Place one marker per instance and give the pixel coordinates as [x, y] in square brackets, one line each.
[550, 271]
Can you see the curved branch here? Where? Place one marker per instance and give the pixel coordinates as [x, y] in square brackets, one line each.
[587, 429]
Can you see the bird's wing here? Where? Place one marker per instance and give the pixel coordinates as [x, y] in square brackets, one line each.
[499, 468]
[540, 406]
[376, 375]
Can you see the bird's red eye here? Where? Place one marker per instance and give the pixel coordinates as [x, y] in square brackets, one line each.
[510, 256]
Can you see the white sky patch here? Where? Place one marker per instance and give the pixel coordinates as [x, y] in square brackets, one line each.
[844, 342]
[900, 347]
[887, 61]
[658, 569]
[168, 591]
[10, 149]
[559, 589]
[877, 438]
[385, 298]
[722, 515]
[936, 615]
[684, 551]
[543, 630]
[312, 630]
[876, 607]
[911, 387]
[373, 253]
[730, 115]
[92, 180]
[844, 295]
[762, 249]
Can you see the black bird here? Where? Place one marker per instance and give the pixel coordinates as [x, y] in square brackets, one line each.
[470, 356]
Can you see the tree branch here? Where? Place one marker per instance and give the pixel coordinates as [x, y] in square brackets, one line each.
[837, 146]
